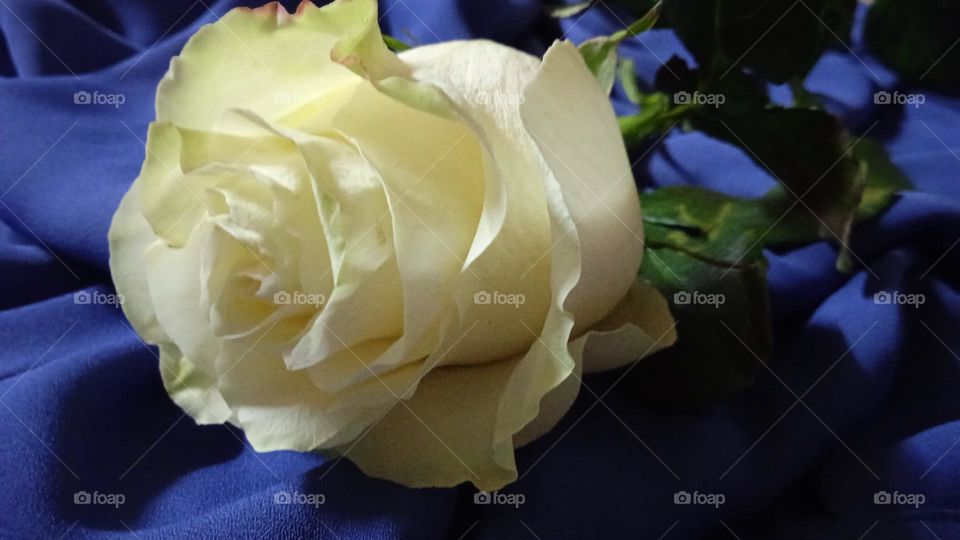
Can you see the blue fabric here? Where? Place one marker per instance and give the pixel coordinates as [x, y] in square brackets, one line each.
[861, 397]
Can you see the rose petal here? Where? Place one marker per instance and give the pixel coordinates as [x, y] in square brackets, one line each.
[510, 251]
[129, 237]
[354, 208]
[193, 390]
[274, 65]
[461, 422]
[431, 171]
[639, 326]
[570, 117]
[280, 409]
[173, 280]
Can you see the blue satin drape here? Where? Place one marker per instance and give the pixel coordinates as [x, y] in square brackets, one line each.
[862, 397]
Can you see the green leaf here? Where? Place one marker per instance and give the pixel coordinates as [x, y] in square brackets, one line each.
[704, 254]
[563, 12]
[655, 117]
[707, 243]
[395, 44]
[703, 245]
[919, 39]
[825, 172]
[627, 74]
[703, 242]
[883, 179]
[640, 25]
[803, 98]
[807, 150]
[600, 53]
[726, 231]
[709, 361]
[778, 39]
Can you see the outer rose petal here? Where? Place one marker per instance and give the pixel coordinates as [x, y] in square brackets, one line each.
[639, 326]
[460, 423]
[272, 64]
[280, 409]
[509, 253]
[606, 210]
[192, 389]
[129, 237]
[572, 122]
[575, 132]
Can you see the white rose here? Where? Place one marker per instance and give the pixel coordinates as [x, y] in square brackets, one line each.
[407, 260]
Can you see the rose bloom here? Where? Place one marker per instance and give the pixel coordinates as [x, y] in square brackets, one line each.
[407, 260]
